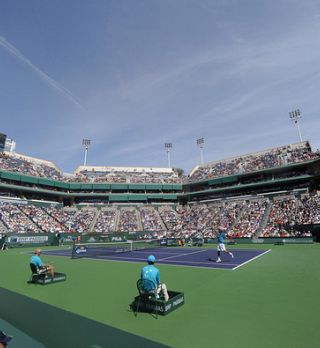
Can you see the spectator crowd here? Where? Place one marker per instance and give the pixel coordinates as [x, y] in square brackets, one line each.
[29, 166]
[242, 218]
[35, 167]
[275, 157]
[255, 217]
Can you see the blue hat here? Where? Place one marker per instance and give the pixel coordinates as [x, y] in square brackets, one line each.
[151, 258]
[5, 339]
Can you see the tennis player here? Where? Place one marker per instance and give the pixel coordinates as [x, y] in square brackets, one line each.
[35, 259]
[221, 237]
[150, 272]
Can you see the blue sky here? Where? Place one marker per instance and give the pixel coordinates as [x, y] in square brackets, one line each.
[132, 75]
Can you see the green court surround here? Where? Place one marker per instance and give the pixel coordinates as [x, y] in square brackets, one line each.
[272, 301]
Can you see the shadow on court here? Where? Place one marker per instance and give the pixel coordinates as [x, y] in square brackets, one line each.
[54, 327]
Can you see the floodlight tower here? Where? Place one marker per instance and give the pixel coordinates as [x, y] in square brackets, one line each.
[86, 143]
[168, 147]
[200, 143]
[294, 117]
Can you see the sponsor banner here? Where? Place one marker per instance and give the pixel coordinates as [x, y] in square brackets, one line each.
[80, 250]
[270, 240]
[176, 300]
[297, 240]
[28, 239]
[117, 239]
[67, 238]
[13, 200]
[92, 240]
[169, 241]
[302, 240]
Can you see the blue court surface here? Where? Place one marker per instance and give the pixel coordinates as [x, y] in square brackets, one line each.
[178, 256]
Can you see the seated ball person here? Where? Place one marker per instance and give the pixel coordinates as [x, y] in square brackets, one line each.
[150, 272]
[35, 259]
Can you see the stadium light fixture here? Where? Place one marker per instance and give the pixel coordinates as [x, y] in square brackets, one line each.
[168, 147]
[294, 117]
[86, 143]
[200, 143]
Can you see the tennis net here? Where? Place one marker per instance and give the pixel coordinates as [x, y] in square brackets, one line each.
[103, 249]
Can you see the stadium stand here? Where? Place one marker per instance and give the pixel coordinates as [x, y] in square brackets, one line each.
[246, 213]
[308, 211]
[14, 219]
[150, 219]
[128, 220]
[65, 216]
[242, 218]
[276, 157]
[41, 219]
[84, 220]
[128, 174]
[249, 222]
[106, 220]
[29, 166]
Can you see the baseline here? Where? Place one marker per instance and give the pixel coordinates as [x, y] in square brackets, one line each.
[244, 263]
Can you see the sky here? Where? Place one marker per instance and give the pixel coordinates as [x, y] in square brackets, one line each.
[132, 75]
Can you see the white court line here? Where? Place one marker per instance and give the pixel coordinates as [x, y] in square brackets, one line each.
[165, 258]
[244, 263]
[206, 263]
[203, 262]
[185, 254]
[114, 257]
[211, 263]
[138, 259]
[199, 262]
[155, 251]
[166, 264]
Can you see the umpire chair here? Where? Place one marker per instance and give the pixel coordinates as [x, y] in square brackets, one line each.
[37, 273]
[147, 290]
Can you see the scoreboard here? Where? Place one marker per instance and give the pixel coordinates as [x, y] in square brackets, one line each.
[3, 138]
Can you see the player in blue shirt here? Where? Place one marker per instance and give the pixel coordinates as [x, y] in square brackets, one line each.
[221, 237]
[150, 272]
[35, 259]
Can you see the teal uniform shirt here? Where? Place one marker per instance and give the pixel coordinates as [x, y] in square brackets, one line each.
[35, 259]
[221, 237]
[151, 273]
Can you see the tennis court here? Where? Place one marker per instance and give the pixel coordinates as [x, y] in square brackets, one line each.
[268, 302]
[178, 256]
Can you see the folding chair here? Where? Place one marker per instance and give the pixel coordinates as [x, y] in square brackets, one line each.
[147, 291]
[37, 273]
